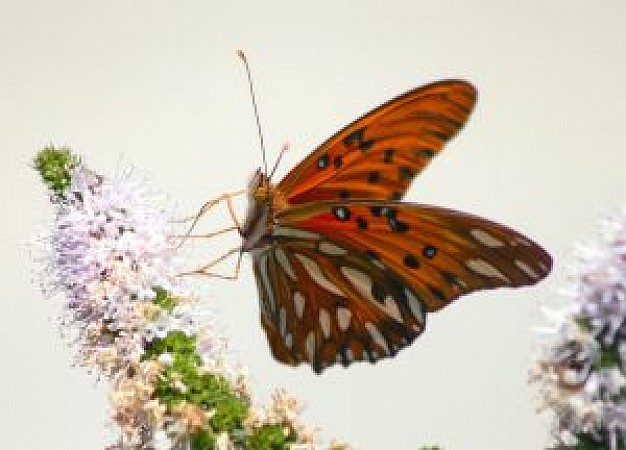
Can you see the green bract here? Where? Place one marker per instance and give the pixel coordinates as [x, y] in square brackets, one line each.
[55, 166]
[269, 437]
[163, 299]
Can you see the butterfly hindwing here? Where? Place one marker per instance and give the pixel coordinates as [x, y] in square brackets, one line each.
[321, 304]
[440, 254]
[377, 156]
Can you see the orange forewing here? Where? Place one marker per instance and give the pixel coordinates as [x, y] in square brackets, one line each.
[440, 253]
[377, 156]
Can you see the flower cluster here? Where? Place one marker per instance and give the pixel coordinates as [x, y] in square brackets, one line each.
[132, 321]
[581, 373]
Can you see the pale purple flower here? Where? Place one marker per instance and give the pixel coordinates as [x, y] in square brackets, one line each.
[111, 247]
[580, 375]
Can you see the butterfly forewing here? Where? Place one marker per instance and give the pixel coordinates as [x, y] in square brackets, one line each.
[377, 156]
[322, 304]
[439, 253]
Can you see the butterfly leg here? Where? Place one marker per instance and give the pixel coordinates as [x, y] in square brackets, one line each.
[205, 269]
[208, 235]
[227, 197]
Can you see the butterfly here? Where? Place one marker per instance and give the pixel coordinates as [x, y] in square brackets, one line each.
[347, 272]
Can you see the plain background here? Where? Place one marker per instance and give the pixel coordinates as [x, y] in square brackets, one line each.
[156, 85]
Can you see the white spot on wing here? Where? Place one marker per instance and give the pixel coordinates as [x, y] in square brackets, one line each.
[294, 233]
[325, 322]
[310, 346]
[283, 321]
[284, 263]
[485, 238]
[378, 264]
[331, 249]
[521, 240]
[344, 315]
[482, 267]
[289, 340]
[298, 303]
[415, 306]
[263, 265]
[316, 274]
[377, 336]
[527, 269]
[360, 281]
[392, 309]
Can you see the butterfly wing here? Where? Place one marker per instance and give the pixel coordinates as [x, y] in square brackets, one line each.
[344, 282]
[377, 156]
[440, 254]
[322, 305]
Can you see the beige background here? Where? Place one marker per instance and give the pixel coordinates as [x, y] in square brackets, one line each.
[156, 85]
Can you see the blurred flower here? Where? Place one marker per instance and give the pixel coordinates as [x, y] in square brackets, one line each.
[580, 373]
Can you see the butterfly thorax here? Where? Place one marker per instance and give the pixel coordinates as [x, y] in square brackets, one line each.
[257, 228]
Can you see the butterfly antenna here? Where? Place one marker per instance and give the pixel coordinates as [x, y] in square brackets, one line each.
[280, 156]
[242, 55]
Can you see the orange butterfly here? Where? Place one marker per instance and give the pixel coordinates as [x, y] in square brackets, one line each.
[345, 271]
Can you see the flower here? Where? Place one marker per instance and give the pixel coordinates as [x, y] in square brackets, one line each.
[132, 320]
[580, 373]
[110, 249]
[192, 416]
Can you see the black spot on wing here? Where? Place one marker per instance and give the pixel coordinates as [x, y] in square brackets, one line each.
[373, 176]
[388, 155]
[437, 293]
[429, 251]
[372, 256]
[405, 174]
[425, 153]
[356, 139]
[366, 145]
[397, 226]
[323, 161]
[389, 212]
[411, 261]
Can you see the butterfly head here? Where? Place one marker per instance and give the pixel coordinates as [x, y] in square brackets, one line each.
[259, 188]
